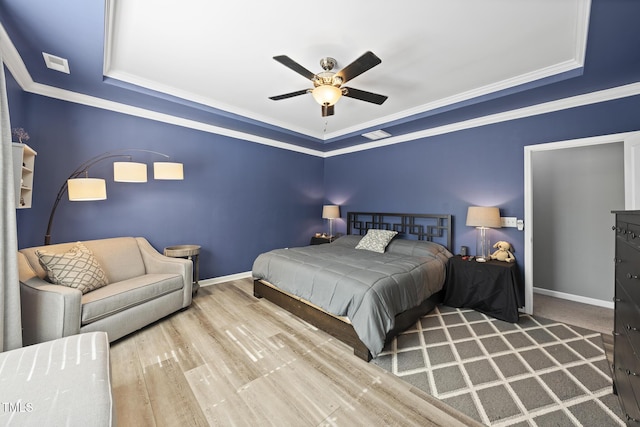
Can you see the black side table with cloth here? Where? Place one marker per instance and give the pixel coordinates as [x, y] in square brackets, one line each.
[493, 287]
[319, 240]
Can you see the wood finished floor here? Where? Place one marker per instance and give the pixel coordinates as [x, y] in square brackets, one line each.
[231, 359]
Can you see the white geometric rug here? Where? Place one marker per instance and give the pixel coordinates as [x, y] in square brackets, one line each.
[537, 372]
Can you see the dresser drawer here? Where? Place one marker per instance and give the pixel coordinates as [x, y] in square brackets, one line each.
[627, 264]
[621, 230]
[627, 386]
[633, 235]
[627, 318]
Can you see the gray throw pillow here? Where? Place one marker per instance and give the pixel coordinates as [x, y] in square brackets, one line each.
[376, 240]
[77, 268]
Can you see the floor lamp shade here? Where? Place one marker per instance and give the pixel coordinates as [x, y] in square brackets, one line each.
[129, 172]
[79, 187]
[168, 170]
[87, 189]
[483, 218]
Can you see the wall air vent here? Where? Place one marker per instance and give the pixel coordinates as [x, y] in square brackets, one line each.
[376, 134]
[56, 63]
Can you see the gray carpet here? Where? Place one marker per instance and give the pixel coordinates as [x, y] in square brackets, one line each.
[537, 372]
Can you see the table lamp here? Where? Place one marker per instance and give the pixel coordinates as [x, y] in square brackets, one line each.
[330, 212]
[483, 218]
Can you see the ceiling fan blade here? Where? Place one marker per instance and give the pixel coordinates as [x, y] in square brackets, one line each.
[367, 61]
[327, 110]
[290, 63]
[289, 95]
[364, 95]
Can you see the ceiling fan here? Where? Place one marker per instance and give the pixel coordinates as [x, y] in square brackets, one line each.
[328, 84]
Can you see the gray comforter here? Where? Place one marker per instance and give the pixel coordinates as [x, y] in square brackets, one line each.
[367, 287]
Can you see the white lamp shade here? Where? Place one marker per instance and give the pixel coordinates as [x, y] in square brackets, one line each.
[87, 189]
[168, 170]
[330, 211]
[481, 216]
[326, 94]
[129, 172]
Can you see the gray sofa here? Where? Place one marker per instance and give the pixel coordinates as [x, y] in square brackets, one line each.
[64, 382]
[144, 286]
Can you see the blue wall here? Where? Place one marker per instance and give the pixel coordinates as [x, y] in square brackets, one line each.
[238, 199]
[482, 166]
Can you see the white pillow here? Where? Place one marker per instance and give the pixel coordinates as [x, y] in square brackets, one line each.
[77, 268]
[376, 240]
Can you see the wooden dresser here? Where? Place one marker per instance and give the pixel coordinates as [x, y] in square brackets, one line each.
[626, 354]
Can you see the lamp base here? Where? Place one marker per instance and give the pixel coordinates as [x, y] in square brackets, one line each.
[483, 245]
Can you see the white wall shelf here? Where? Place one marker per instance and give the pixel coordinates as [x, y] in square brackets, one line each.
[24, 158]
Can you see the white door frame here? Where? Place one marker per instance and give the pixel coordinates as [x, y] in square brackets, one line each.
[632, 173]
[632, 146]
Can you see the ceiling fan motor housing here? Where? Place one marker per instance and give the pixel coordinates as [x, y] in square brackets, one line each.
[327, 78]
[328, 63]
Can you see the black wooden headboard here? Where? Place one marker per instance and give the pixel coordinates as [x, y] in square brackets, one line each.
[431, 227]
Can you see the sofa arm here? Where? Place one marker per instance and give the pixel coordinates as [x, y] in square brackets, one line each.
[155, 262]
[48, 311]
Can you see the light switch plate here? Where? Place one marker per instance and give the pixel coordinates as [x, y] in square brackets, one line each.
[509, 221]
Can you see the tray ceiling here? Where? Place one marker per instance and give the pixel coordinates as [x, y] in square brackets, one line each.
[213, 61]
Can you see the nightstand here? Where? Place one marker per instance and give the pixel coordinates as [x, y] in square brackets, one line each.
[318, 240]
[493, 287]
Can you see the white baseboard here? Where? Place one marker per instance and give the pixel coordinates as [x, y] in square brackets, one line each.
[222, 279]
[576, 298]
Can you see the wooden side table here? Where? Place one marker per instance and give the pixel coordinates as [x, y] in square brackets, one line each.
[191, 252]
[493, 287]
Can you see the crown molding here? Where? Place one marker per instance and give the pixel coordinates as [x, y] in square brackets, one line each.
[466, 97]
[605, 95]
[16, 66]
[11, 58]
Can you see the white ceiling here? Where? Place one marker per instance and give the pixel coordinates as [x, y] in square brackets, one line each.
[434, 52]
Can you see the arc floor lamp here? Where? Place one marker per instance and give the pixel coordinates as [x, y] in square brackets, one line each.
[82, 188]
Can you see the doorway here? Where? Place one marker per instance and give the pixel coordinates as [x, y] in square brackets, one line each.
[557, 231]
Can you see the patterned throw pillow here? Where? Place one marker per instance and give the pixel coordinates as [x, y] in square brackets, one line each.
[77, 268]
[376, 240]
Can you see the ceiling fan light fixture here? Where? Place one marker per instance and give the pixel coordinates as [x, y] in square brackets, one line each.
[326, 94]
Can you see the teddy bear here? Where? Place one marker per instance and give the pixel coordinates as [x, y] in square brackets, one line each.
[504, 252]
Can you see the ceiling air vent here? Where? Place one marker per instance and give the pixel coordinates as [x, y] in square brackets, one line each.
[376, 134]
[56, 63]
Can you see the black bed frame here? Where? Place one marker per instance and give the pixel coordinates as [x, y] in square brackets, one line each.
[431, 227]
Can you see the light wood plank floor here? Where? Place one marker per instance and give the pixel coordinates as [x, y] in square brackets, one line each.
[231, 359]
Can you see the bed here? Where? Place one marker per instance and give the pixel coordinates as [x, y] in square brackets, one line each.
[362, 297]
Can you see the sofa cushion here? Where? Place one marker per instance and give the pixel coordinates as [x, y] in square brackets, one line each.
[76, 268]
[119, 256]
[125, 294]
